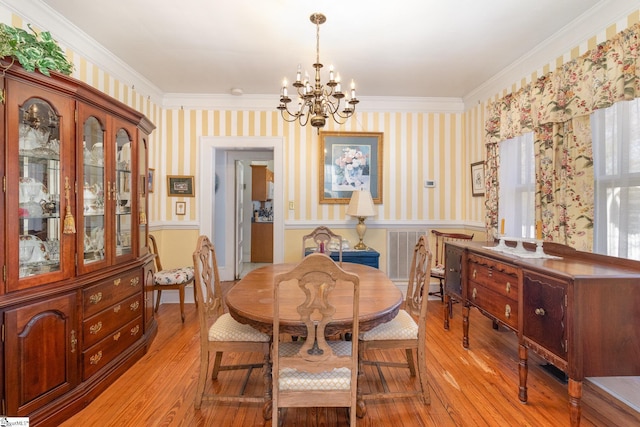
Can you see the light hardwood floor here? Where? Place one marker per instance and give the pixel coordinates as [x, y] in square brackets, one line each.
[475, 387]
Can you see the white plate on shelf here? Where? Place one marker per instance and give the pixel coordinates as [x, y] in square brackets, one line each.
[40, 252]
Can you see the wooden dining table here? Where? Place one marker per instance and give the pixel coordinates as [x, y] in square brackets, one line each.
[250, 301]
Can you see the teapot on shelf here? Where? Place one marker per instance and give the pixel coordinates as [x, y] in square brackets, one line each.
[48, 206]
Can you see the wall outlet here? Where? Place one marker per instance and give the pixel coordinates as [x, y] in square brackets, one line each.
[292, 205]
[429, 184]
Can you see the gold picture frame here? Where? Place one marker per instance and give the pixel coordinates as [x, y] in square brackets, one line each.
[180, 186]
[350, 161]
[181, 208]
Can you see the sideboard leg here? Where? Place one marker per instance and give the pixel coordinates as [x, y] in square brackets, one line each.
[465, 325]
[523, 371]
[445, 311]
[575, 394]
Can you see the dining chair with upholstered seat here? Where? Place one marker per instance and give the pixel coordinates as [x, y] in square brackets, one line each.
[437, 270]
[314, 372]
[220, 333]
[403, 332]
[174, 278]
[322, 237]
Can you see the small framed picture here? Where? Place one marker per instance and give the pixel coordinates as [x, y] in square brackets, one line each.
[180, 186]
[151, 180]
[181, 208]
[477, 179]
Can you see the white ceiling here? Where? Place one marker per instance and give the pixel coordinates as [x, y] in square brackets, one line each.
[423, 48]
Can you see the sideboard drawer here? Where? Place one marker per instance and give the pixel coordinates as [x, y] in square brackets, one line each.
[96, 357]
[487, 300]
[102, 324]
[499, 277]
[104, 294]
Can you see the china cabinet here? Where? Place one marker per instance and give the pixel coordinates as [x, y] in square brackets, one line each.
[75, 305]
[577, 310]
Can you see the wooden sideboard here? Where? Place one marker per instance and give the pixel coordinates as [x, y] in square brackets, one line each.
[580, 311]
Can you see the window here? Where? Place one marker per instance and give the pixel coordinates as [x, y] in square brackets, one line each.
[616, 158]
[517, 186]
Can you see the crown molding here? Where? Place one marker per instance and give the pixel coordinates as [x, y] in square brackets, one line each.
[269, 103]
[41, 16]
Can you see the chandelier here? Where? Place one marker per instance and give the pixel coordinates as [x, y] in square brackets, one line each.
[315, 102]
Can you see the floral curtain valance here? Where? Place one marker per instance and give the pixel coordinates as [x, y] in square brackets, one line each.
[602, 76]
[556, 108]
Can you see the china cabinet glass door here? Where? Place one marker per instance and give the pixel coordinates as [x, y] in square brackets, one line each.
[92, 194]
[124, 193]
[39, 135]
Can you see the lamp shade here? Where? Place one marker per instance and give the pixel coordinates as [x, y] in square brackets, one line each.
[361, 204]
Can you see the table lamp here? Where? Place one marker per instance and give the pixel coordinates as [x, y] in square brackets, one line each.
[361, 206]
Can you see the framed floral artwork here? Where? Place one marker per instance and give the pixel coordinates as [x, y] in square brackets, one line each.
[477, 179]
[350, 161]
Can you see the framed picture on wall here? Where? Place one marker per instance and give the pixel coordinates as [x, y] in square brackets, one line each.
[477, 179]
[350, 161]
[180, 186]
[151, 179]
[181, 208]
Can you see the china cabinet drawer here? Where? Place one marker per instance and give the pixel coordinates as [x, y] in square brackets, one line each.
[100, 325]
[494, 304]
[98, 356]
[544, 314]
[500, 278]
[98, 297]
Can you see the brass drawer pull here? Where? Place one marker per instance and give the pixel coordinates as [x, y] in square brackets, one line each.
[94, 329]
[95, 358]
[74, 341]
[116, 336]
[508, 287]
[95, 298]
[117, 308]
[134, 305]
[474, 273]
[135, 330]
[116, 282]
[474, 293]
[507, 311]
[540, 311]
[134, 281]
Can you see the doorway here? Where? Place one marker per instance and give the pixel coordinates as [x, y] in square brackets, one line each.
[218, 208]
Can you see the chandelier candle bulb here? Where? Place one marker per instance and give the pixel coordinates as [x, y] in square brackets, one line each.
[299, 73]
[331, 73]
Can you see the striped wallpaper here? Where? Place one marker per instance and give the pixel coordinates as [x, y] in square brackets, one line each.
[418, 146]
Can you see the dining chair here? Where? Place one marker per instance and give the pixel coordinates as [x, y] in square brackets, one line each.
[220, 333]
[322, 237]
[314, 372]
[403, 332]
[437, 270]
[175, 278]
